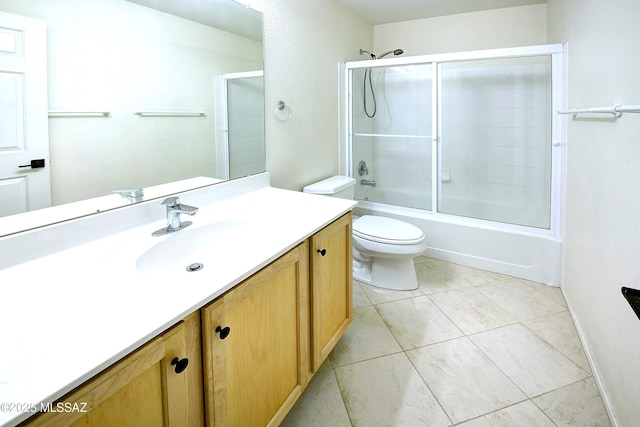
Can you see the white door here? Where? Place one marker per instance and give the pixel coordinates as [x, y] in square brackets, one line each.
[25, 182]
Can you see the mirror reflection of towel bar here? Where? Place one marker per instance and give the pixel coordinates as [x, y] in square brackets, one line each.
[79, 113]
[201, 113]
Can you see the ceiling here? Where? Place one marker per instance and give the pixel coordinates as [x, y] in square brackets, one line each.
[223, 14]
[387, 11]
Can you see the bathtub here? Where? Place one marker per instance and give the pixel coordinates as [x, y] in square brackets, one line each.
[523, 252]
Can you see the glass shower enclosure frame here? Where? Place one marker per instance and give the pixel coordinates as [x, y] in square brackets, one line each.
[240, 134]
[470, 137]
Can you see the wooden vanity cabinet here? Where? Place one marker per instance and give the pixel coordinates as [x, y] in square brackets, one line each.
[331, 298]
[251, 352]
[255, 345]
[159, 384]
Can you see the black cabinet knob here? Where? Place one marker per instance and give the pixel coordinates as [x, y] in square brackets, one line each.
[322, 252]
[224, 332]
[180, 364]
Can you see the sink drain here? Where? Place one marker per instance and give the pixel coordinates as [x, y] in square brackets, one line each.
[195, 267]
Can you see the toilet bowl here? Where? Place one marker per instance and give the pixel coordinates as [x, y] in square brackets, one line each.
[383, 252]
[383, 248]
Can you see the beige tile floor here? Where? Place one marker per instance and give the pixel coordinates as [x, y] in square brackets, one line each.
[467, 348]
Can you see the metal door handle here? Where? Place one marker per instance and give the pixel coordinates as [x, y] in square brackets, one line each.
[35, 164]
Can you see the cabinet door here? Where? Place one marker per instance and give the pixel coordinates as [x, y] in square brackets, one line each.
[331, 287]
[147, 388]
[256, 369]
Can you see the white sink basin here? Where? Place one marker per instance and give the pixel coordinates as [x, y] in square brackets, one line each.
[204, 244]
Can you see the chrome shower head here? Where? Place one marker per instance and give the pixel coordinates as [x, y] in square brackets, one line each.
[395, 52]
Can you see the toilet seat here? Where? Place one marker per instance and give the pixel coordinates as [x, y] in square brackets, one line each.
[383, 248]
[387, 230]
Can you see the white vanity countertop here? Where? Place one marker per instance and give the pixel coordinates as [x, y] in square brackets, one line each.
[69, 315]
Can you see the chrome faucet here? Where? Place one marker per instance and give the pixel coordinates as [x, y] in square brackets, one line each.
[133, 194]
[371, 183]
[174, 210]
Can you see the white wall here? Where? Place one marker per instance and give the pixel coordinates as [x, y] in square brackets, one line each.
[490, 29]
[603, 189]
[304, 42]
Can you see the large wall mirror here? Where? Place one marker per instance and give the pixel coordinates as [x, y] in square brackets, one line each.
[138, 93]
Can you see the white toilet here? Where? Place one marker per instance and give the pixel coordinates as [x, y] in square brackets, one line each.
[383, 248]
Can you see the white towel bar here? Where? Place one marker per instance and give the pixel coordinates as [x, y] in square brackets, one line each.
[615, 110]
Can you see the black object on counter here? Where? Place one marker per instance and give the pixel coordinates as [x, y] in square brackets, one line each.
[633, 296]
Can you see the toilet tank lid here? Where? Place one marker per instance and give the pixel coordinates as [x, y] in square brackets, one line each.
[331, 185]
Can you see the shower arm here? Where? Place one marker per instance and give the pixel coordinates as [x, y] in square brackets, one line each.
[362, 52]
[396, 52]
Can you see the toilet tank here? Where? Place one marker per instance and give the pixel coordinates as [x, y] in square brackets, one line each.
[337, 186]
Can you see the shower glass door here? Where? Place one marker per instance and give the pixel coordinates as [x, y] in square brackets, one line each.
[245, 120]
[239, 110]
[468, 136]
[495, 140]
[391, 134]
